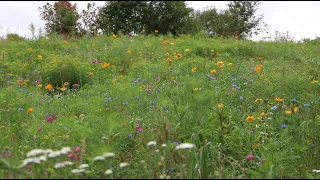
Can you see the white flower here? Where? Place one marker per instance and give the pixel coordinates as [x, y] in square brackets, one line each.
[151, 143]
[317, 171]
[67, 163]
[54, 154]
[43, 158]
[157, 150]
[34, 152]
[163, 145]
[30, 160]
[65, 150]
[124, 164]
[47, 151]
[108, 172]
[77, 171]
[108, 155]
[185, 146]
[98, 158]
[83, 166]
[59, 165]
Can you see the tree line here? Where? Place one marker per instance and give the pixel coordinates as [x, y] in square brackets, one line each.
[152, 17]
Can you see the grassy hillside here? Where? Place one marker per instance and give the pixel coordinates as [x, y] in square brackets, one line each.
[246, 109]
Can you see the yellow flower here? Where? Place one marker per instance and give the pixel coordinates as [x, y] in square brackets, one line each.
[187, 50]
[114, 36]
[25, 64]
[260, 58]
[29, 49]
[66, 43]
[39, 86]
[142, 87]
[63, 89]
[220, 106]
[220, 63]
[169, 61]
[249, 118]
[237, 37]
[94, 44]
[81, 115]
[262, 115]
[105, 65]
[65, 84]
[212, 50]
[167, 54]
[194, 69]
[213, 71]
[142, 30]
[30, 110]
[156, 31]
[295, 109]
[197, 89]
[258, 100]
[39, 57]
[314, 81]
[288, 111]
[48, 87]
[278, 99]
[129, 52]
[179, 56]
[229, 64]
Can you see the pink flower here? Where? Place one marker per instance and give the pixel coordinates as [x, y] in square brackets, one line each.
[83, 151]
[77, 148]
[70, 155]
[250, 157]
[140, 129]
[39, 128]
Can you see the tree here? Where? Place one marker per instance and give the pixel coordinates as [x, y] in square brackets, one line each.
[62, 17]
[91, 20]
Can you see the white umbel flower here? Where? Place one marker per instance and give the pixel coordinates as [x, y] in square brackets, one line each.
[43, 158]
[62, 164]
[151, 143]
[98, 158]
[77, 171]
[35, 152]
[30, 160]
[83, 166]
[108, 155]
[185, 146]
[108, 172]
[65, 150]
[163, 145]
[317, 171]
[54, 154]
[124, 164]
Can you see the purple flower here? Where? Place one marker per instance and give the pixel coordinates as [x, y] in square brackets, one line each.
[130, 135]
[284, 125]
[249, 157]
[76, 85]
[241, 97]
[94, 61]
[39, 128]
[20, 109]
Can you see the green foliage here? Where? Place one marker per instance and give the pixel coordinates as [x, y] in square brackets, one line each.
[15, 37]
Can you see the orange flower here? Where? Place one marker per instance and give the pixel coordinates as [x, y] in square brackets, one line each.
[278, 99]
[156, 31]
[213, 71]
[194, 69]
[105, 65]
[30, 110]
[49, 87]
[262, 115]
[220, 63]
[66, 43]
[249, 118]
[260, 58]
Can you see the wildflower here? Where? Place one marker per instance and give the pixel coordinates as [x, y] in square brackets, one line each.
[105, 65]
[295, 109]
[220, 106]
[152, 143]
[260, 58]
[284, 125]
[63, 89]
[187, 50]
[48, 87]
[94, 44]
[75, 85]
[249, 118]
[278, 99]
[66, 43]
[249, 157]
[65, 150]
[156, 31]
[83, 166]
[316, 171]
[262, 115]
[255, 145]
[20, 109]
[212, 50]
[241, 97]
[169, 61]
[39, 128]
[30, 110]
[39, 57]
[258, 69]
[197, 89]
[220, 63]
[213, 71]
[314, 81]
[167, 54]
[108, 172]
[229, 64]
[35, 152]
[98, 158]
[185, 146]
[124, 164]
[129, 51]
[288, 111]
[54, 154]
[179, 56]
[294, 100]
[163, 145]
[108, 155]
[62, 164]
[259, 100]
[194, 69]
[78, 171]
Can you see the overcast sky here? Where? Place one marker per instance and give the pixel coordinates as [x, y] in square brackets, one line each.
[300, 18]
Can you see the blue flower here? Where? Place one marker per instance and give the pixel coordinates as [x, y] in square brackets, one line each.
[294, 100]
[125, 103]
[20, 109]
[168, 170]
[306, 104]
[274, 108]
[176, 142]
[213, 78]
[284, 125]
[241, 97]
[130, 135]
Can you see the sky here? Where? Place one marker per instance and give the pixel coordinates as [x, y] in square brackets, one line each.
[299, 18]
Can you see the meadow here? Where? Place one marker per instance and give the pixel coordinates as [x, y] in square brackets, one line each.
[159, 107]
